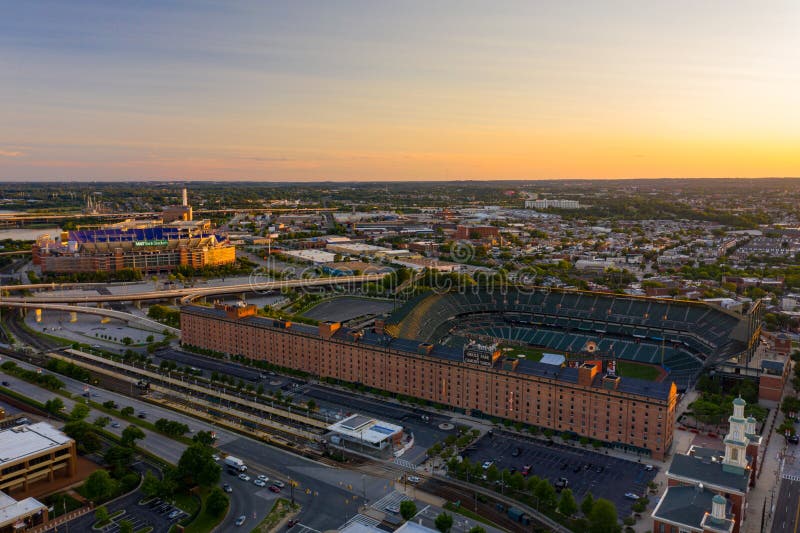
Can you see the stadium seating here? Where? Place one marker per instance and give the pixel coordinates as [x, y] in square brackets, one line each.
[678, 334]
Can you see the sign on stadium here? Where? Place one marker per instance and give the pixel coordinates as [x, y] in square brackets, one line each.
[157, 242]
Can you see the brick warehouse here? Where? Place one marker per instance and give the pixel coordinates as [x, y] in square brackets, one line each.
[630, 413]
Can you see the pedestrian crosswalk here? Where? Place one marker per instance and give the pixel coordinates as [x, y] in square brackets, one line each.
[392, 499]
[791, 477]
[405, 464]
[361, 519]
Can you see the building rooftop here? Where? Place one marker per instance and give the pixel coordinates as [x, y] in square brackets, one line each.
[706, 468]
[684, 504]
[22, 441]
[365, 428]
[652, 389]
[12, 510]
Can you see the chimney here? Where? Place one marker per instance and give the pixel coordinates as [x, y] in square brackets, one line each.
[327, 329]
[185, 196]
[586, 373]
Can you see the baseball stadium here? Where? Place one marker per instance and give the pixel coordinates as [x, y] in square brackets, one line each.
[678, 336]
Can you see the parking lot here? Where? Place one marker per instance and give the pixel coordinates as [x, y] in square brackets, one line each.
[586, 470]
[145, 514]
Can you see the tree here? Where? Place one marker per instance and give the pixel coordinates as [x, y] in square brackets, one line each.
[127, 411]
[84, 434]
[545, 494]
[101, 421]
[151, 485]
[311, 405]
[101, 514]
[79, 412]
[603, 518]
[587, 504]
[566, 504]
[216, 502]
[260, 389]
[99, 486]
[492, 473]
[444, 522]
[203, 437]
[54, 406]
[197, 467]
[119, 458]
[477, 529]
[130, 435]
[408, 509]
[125, 526]
[127, 341]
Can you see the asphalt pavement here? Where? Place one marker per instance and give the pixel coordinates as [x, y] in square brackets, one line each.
[787, 508]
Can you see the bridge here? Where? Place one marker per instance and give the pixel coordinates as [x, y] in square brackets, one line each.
[186, 294]
[130, 319]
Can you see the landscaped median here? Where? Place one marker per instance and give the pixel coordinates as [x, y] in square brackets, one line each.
[282, 510]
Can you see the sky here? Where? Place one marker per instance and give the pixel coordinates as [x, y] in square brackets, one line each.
[398, 90]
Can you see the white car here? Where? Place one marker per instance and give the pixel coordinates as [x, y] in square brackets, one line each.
[487, 464]
[631, 496]
[263, 478]
[260, 483]
[413, 479]
[648, 468]
[244, 477]
[215, 457]
[278, 483]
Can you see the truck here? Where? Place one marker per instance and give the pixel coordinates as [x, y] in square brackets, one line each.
[235, 463]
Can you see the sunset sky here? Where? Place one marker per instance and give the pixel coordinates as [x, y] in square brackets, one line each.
[398, 90]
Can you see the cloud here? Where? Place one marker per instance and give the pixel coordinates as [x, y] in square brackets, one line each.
[11, 153]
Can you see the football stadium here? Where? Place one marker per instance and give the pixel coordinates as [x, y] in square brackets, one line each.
[680, 336]
[150, 249]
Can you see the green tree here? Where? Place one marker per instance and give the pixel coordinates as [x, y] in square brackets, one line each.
[101, 514]
[477, 529]
[79, 412]
[197, 466]
[125, 526]
[119, 458]
[311, 405]
[127, 341]
[603, 518]
[444, 522]
[130, 435]
[54, 406]
[99, 486]
[151, 485]
[408, 509]
[587, 504]
[566, 504]
[203, 437]
[545, 494]
[84, 434]
[127, 411]
[216, 502]
[492, 473]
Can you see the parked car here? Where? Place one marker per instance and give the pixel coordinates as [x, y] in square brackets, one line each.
[263, 478]
[413, 479]
[174, 514]
[227, 488]
[115, 424]
[6, 384]
[291, 523]
[526, 470]
[260, 483]
[244, 477]
[631, 496]
[648, 468]
[517, 451]
[487, 464]
[793, 439]
[240, 520]
[215, 457]
[278, 483]
[561, 484]
[274, 488]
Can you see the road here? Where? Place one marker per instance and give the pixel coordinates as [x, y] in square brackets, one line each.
[191, 292]
[333, 495]
[787, 508]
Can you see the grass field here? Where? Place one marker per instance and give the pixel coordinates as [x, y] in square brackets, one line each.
[530, 353]
[633, 370]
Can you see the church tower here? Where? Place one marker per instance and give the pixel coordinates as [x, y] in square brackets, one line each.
[736, 440]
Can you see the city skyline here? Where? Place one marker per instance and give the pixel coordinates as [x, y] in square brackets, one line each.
[361, 91]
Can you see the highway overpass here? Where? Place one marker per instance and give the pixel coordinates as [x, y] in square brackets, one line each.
[186, 294]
